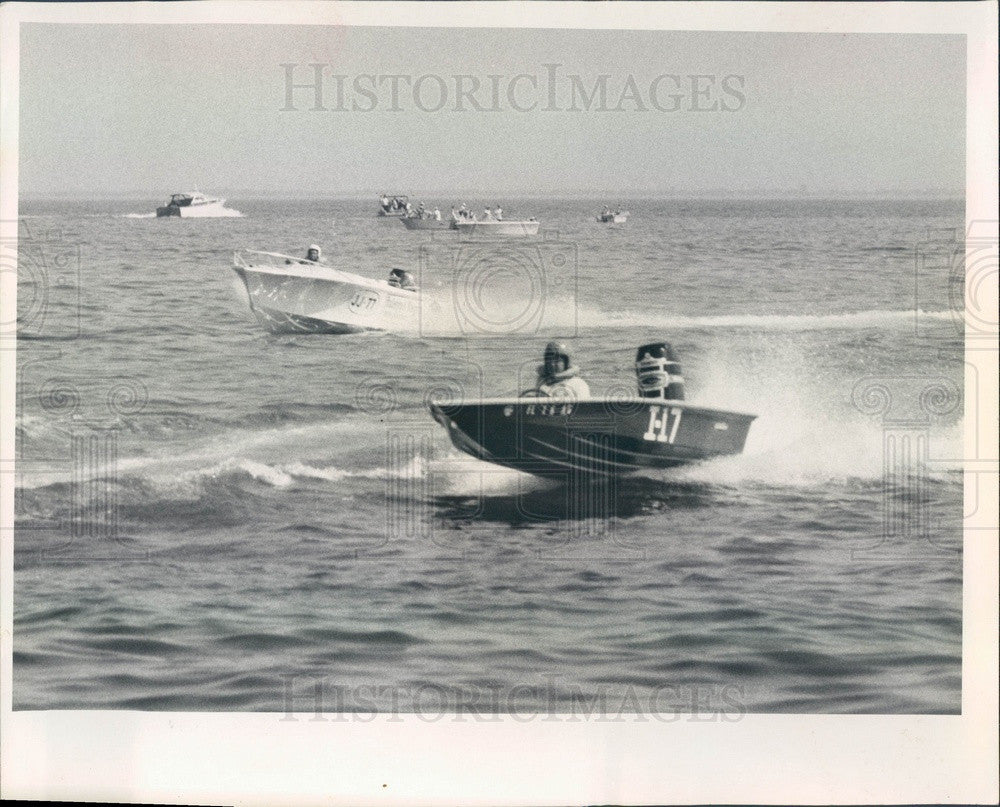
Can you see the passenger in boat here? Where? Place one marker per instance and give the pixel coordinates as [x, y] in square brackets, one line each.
[437, 214]
[314, 254]
[558, 377]
[385, 203]
[454, 214]
[487, 214]
[499, 213]
[401, 279]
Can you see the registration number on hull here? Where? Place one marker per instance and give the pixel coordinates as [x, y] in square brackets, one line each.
[663, 424]
[364, 301]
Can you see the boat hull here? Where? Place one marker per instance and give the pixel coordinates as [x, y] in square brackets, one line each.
[413, 223]
[598, 436]
[306, 298]
[213, 209]
[516, 228]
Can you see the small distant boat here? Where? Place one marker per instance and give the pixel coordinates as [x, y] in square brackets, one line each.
[417, 223]
[497, 227]
[294, 295]
[613, 217]
[192, 205]
[392, 206]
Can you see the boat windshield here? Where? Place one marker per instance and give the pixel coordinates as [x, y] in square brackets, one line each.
[181, 199]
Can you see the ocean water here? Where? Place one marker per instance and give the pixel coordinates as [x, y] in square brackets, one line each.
[211, 517]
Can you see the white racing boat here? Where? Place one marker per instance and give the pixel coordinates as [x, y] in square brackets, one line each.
[497, 227]
[295, 295]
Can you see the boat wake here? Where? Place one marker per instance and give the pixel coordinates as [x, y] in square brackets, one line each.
[772, 322]
[443, 313]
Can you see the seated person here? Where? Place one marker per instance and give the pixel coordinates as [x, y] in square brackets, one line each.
[558, 377]
[401, 279]
[313, 255]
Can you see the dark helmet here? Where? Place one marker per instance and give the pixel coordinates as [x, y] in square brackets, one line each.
[659, 372]
[556, 358]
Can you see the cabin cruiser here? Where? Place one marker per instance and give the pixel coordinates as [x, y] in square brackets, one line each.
[556, 435]
[304, 295]
[192, 205]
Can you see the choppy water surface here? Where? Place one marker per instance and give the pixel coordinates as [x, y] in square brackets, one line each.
[211, 517]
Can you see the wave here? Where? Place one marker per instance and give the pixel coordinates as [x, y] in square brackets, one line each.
[220, 213]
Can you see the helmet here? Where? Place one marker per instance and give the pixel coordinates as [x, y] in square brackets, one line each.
[659, 372]
[556, 358]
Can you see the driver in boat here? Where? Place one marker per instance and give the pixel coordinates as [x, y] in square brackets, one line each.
[313, 255]
[401, 279]
[558, 377]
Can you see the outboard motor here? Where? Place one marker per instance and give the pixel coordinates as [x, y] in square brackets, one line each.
[659, 372]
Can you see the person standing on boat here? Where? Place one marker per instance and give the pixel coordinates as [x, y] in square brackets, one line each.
[499, 213]
[437, 214]
[487, 214]
[558, 377]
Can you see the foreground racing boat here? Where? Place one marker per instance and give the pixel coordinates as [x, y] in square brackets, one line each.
[295, 295]
[608, 436]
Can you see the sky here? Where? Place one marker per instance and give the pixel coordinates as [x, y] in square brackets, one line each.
[149, 110]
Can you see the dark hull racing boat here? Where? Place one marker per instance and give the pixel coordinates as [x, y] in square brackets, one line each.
[598, 436]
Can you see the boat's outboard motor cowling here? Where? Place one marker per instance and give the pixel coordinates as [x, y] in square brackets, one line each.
[659, 372]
